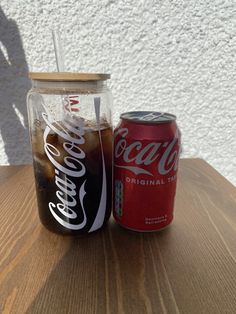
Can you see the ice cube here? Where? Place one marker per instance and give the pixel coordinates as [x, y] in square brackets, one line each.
[57, 147]
[37, 141]
[44, 167]
[52, 138]
[107, 138]
[91, 141]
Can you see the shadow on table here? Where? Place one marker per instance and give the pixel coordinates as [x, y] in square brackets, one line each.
[14, 85]
[95, 270]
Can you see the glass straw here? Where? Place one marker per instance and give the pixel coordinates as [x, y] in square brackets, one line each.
[58, 51]
[60, 62]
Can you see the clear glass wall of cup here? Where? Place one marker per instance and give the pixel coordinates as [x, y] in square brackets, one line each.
[71, 135]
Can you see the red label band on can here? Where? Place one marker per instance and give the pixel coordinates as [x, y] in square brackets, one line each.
[146, 155]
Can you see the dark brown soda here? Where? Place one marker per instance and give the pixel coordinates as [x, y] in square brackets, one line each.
[45, 177]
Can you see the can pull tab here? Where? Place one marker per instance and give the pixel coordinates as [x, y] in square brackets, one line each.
[152, 116]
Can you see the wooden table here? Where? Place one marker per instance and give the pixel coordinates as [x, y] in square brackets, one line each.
[187, 268]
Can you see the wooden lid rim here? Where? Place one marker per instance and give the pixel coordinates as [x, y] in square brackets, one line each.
[68, 76]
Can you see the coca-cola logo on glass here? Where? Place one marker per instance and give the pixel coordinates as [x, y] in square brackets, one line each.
[69, 164]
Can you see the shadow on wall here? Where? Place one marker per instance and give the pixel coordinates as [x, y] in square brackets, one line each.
[14, 85]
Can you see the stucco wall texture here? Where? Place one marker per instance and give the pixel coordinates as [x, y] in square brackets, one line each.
[174, 56]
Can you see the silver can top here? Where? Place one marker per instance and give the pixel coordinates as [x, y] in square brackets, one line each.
[148, 117]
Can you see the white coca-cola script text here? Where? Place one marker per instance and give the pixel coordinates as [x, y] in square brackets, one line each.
[73, 167]
[140, 155]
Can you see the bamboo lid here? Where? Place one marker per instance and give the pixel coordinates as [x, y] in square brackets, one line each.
[68, 76]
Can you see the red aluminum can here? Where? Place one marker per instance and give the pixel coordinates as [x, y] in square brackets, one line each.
[146, 155]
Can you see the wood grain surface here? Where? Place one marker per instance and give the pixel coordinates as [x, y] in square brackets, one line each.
[188, 268]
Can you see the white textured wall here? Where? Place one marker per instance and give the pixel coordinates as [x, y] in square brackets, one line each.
[176, 56]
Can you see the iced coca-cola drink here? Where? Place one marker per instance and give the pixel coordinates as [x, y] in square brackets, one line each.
[71, 135]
